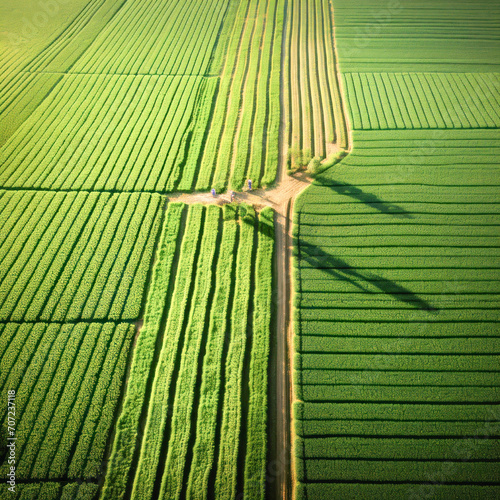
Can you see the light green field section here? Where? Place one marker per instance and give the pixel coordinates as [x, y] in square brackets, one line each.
[67, 380]
[141, 96]
[158, 38]
[199, 372]
[242, 136]
[71, 256]
[34, 34]
[114, 133]
[312, 104]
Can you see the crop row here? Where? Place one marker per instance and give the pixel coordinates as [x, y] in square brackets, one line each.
[400, 393]
[242, 140]
[255, 460]
[385, 412]
[368, 491]
[390, 470]
[104, 132]
[396, 277]
[68, 256]
[67, 380]
[56, 491]
[386, 328]
[423, 100]
[312, 98]
[199, 315]
[156, 38]
[385, 428]
[395, 361]
[393, 448]
[374, 345]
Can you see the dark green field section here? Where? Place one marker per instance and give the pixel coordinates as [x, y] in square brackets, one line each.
[397, 264]
[68, 380]
[436, 491]
[73, 256]
[418, 35]
[397, 348]
[385, 101]
[198, 377]
[397, 276]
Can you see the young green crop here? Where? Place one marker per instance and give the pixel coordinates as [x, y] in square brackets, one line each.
[77, 255]
[256, 447]
[142, 361]
[198, 375]
[243, 134]
[187, 377]
[57, 376]
[205, 443]
[164, 376]
[227, 466]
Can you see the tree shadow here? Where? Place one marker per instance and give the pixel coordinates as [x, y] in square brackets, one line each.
[340, 269]
[369, 199]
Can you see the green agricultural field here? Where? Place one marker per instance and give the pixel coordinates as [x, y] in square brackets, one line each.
[71, 256]
[206, 329]
[41, 30]
[313, 107]
[135, 331]
[168, 332]
[67, 380]
[397, 264]
[173, 108]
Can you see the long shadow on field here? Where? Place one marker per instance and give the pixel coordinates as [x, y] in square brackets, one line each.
[340, 269]
[369, 199]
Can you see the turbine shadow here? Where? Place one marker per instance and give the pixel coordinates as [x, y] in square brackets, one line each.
[369, 199]
[340, 269]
